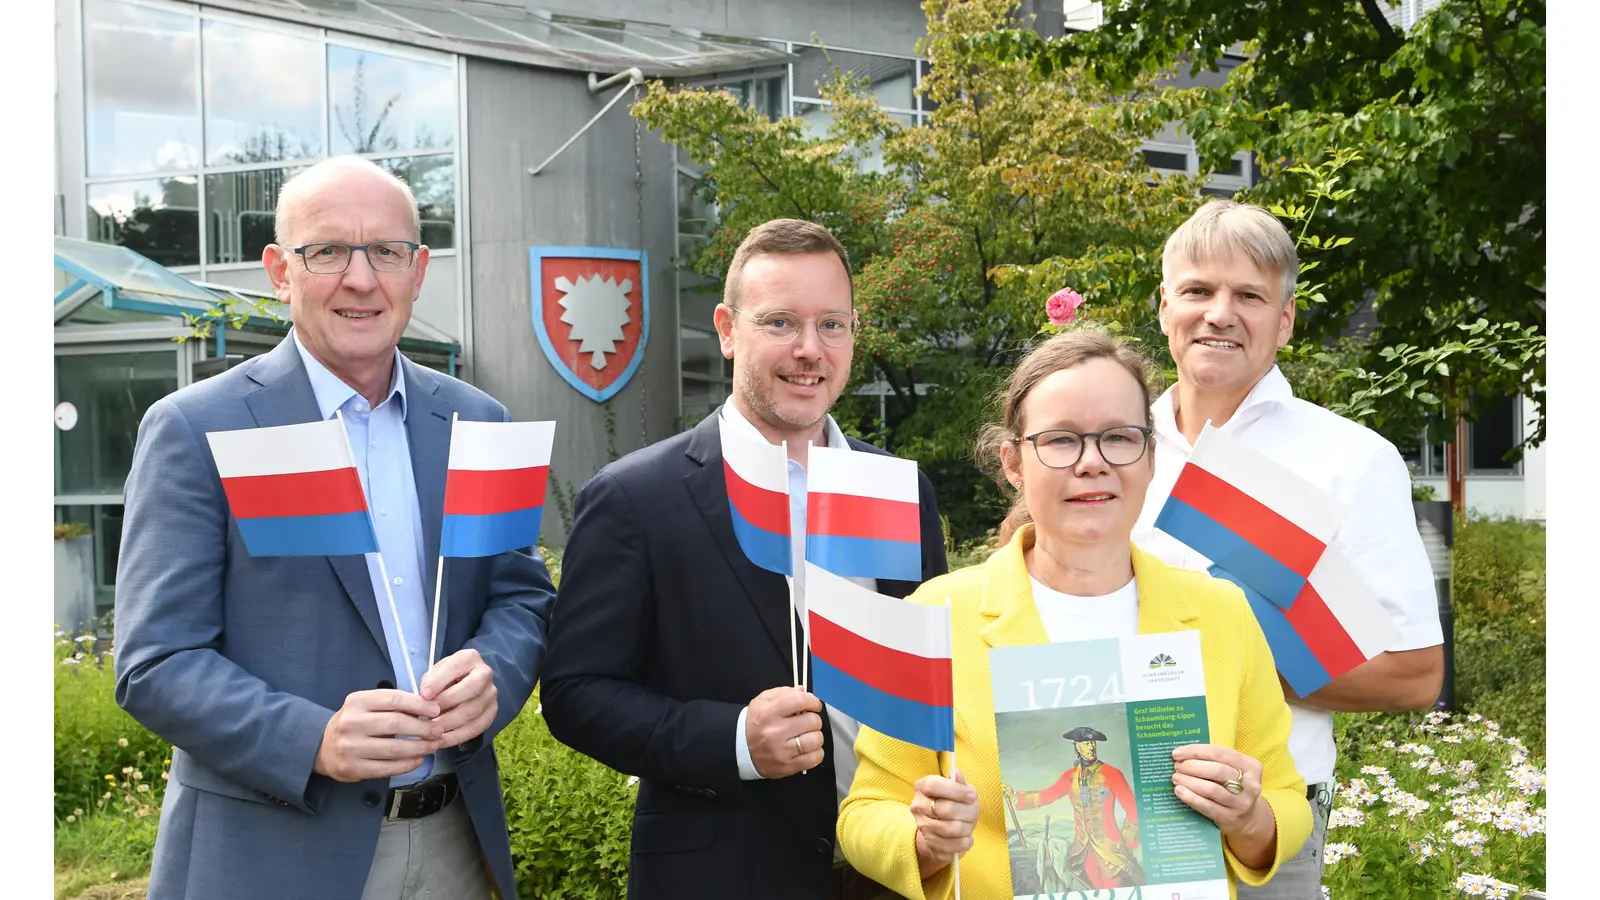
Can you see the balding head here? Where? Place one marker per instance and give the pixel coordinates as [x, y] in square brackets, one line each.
[330, 174]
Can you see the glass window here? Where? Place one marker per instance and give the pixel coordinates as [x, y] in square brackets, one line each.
[379, 102]
[433, 181]
[159, 219]
[1491, 437]
[241, 212]
[111, 391]
[105, 527]
[696, 215]
[141, 104]
[702, 353]
[926, 103]
[263, 95]
[1165, 159]
[892, 79]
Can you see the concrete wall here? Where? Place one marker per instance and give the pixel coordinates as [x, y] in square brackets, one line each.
[881, 26]
[587, 197]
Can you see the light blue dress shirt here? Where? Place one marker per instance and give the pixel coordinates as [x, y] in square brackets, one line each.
[383, 458]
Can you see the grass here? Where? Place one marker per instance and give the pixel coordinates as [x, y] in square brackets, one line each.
[103, 857]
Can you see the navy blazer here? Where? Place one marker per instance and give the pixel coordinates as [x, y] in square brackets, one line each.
[662, 632]
[240, 661]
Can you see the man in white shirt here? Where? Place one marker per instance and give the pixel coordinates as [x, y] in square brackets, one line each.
[1227, 305]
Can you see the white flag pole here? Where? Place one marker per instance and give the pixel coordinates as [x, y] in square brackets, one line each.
[794, 652]
[950, 623]
[438, 581]
[394, 611]
[805, 618]
[398, 630]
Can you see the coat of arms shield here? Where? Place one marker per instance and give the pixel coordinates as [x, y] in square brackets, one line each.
[591, 311]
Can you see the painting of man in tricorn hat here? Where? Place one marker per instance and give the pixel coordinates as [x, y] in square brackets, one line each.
[1102, 853]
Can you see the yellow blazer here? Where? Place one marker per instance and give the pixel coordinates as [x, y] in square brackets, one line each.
[992, 606]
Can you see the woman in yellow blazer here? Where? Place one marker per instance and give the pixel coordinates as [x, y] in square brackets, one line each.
[1082, 399]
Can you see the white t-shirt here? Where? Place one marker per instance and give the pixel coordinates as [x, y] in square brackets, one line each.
[1068, 617]
[1353, 463]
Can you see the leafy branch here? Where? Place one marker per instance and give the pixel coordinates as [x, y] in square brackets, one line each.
[232, 310]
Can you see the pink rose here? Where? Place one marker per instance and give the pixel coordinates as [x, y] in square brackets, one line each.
[1062, 307]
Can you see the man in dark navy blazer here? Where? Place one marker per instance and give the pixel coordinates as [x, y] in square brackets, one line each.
[669, 652]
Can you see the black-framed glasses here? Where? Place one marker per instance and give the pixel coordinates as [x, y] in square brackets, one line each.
[1061, 449]
[782, 326]
[333, 257]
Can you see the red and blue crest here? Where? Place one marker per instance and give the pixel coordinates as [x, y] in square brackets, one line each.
[591, 311]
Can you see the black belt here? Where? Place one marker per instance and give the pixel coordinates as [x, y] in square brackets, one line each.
[424, 798]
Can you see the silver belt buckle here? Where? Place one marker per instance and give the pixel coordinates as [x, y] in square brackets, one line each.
[394, 805]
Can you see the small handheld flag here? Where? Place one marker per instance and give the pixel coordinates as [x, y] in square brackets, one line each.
[1250, 515]
[495, 487]
[758, 491]
[862, 515]
[494, 491]
[1271, 532]
[294, 490]
[882, 661]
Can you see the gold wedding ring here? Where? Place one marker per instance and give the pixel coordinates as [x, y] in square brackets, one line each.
[798, 750]
[933, 808]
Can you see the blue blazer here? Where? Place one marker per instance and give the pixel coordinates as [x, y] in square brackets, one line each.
[241, 661]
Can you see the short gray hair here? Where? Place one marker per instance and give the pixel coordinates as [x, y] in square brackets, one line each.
[1223, 228]
[290, 195]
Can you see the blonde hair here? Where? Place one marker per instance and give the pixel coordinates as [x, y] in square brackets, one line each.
[1063, 351]
[1222, 229]
[788, 237]
[297, 188]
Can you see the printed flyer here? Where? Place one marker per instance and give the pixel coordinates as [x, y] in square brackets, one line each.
[1086, 732]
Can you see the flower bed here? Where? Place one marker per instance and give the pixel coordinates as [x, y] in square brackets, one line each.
[1448, 807]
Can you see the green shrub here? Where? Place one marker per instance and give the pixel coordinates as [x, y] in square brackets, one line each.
[570, 817]
[98, 747]
[1498, 591]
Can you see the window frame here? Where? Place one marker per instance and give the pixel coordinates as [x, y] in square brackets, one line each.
[324, 38]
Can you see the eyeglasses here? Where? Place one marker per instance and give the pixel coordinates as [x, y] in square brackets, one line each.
[331, 258]
[1121, 446]
[782, 327]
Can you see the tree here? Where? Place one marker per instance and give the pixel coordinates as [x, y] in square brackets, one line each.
[1446, 209]
[1012, 168]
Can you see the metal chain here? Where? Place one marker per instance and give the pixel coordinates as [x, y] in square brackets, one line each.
[644, 275]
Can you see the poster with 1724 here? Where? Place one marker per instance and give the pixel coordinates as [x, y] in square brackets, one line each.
[1086, 732]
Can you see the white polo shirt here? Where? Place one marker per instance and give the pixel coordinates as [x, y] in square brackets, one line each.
[1379, 537]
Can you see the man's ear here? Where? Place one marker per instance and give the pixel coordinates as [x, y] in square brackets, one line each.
[275, 259]
[722, 317]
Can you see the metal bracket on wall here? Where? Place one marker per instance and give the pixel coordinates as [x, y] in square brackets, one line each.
[596, 84]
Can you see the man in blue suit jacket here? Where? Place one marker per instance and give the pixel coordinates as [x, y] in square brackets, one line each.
[305, 763]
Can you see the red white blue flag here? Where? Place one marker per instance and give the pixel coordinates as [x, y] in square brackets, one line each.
[862, 515]
[1251, 516]
[757, 476]
[883, 661]
[495, 487]
[294, 490]
[1271, 532]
